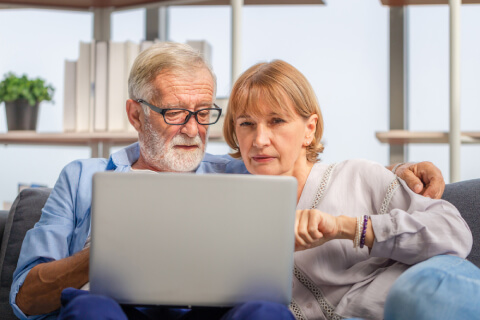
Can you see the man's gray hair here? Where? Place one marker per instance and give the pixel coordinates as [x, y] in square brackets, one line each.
[165, 56]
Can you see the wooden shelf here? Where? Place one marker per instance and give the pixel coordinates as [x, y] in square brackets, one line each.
[398, 137]
[67, 138]
[99, 142]
[125, 4]
[399, 3]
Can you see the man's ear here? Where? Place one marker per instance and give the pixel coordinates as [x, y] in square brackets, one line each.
[135, 114]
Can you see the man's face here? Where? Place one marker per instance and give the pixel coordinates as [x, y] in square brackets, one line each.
[177, 148]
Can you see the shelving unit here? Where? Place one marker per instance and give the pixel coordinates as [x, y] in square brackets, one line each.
[398, 137]
[156, 18]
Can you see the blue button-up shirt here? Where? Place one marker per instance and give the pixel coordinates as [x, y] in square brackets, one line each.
[65, 222]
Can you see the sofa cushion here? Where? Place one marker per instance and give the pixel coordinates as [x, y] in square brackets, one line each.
[465, 195]
[23, 215]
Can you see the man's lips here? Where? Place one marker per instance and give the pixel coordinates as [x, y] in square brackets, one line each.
[186, 147]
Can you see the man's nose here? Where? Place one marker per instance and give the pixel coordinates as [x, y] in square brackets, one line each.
[262, 137]
[191, 127]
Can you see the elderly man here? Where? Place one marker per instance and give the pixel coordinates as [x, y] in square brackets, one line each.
[176, 84]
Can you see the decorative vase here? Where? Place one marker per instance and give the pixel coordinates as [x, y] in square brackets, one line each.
[21, 115]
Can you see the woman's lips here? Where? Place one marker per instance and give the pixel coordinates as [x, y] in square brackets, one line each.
[263, 158]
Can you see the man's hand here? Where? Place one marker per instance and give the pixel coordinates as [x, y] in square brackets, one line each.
[423, 178]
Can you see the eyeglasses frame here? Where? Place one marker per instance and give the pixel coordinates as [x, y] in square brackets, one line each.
[162, 111]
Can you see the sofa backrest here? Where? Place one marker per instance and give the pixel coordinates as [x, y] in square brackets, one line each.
[465, 195]
[25, 212]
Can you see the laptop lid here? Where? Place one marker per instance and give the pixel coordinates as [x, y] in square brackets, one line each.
[192, 240]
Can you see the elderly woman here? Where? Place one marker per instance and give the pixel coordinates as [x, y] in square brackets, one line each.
[358, 227]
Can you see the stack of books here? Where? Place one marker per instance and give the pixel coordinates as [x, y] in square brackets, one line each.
[96, 85]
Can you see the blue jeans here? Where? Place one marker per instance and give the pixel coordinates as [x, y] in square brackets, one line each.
[442, 287]
[79, 304]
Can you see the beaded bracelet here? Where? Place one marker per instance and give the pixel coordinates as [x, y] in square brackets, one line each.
[364, 231]
[358, 232]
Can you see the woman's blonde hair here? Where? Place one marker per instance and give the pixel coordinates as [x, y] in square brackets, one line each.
[272, 83]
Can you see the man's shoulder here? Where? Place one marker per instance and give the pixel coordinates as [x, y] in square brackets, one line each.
[86, 165]
[82, 169]
[221, 164]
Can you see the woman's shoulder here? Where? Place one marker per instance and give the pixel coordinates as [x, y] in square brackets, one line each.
[363, 165]
[366, 171]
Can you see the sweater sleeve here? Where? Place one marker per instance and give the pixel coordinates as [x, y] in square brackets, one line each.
[411, 228]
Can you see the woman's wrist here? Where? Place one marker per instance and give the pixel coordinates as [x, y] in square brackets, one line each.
[347, 227]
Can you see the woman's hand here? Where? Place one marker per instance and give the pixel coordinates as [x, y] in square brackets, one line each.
[313, 228]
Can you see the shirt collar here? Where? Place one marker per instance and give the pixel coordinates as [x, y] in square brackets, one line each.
[124, 157]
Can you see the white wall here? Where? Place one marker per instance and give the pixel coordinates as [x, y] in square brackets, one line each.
[342, 48]
[429, 83]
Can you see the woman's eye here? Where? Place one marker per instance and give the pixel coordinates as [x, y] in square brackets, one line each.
[245, 124]
[278, 120]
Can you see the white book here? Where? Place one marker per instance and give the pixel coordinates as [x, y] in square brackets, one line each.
[216, 130]
[203, 47]
[83, 88]
[116, 96]
[101, 72]
[69, 99]
[132, 50]
[91, 111]
[145, 44]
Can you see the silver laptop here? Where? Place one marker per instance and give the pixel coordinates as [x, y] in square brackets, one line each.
[192, 240]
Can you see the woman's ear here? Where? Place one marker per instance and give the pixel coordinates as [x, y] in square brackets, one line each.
[311, 127]
[135, 114]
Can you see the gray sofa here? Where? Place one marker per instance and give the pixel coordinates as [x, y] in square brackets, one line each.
[26, 211]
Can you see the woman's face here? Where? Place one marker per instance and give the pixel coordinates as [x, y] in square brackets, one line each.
[274, 143]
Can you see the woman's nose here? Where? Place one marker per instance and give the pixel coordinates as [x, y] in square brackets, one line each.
[262, 137]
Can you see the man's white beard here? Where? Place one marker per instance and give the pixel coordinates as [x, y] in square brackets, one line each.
[167, 157]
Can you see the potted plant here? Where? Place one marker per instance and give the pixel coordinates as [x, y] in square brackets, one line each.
[22, 97]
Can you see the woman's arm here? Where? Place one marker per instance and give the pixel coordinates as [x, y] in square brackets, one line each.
[314, 227]
[403, 226]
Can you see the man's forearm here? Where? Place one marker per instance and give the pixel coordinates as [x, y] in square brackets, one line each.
[41, 290]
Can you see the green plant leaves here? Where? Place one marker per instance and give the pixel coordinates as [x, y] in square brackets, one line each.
[13, 88]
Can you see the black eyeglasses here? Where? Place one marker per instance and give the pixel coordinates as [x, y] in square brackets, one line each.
[179, 116]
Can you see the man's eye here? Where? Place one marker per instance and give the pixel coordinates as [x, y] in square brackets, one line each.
[174, 113]
[203, 113]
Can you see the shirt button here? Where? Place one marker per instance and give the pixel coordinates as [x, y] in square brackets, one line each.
[309, 305]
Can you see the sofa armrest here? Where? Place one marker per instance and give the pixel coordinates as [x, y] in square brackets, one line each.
[25, 212]
[3, 222]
